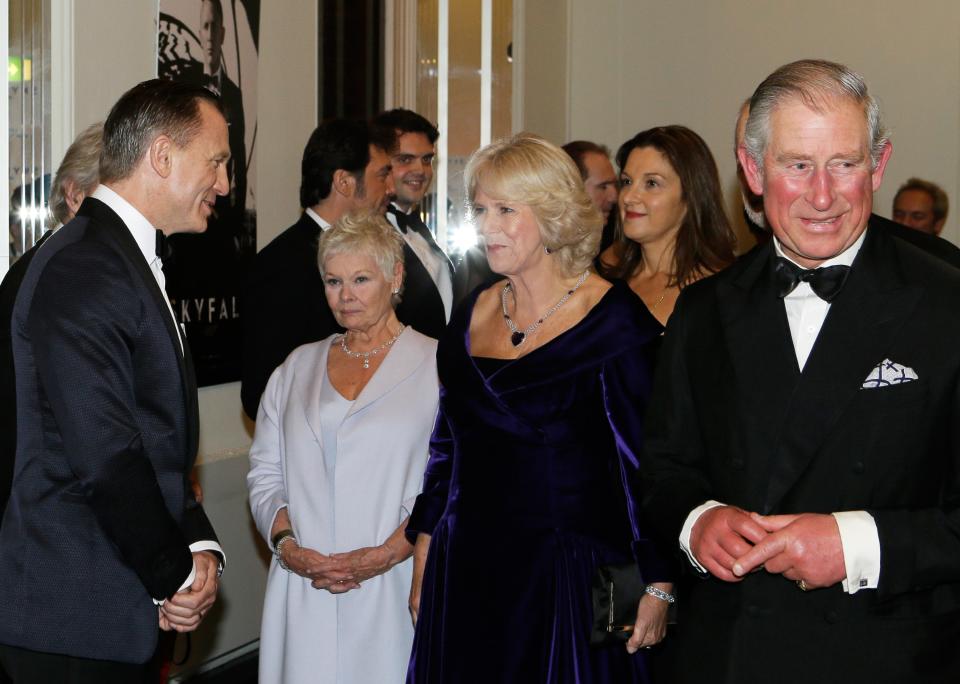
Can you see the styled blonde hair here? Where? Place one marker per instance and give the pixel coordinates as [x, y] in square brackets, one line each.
[366, 232]
[530, 170]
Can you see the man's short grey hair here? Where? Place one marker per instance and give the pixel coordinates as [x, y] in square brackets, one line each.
[818, 84]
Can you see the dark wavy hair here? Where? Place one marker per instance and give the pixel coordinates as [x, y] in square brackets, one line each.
[705, 241]
[406, 121]
[338, 144]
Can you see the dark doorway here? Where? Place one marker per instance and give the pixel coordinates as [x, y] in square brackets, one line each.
[350, 58]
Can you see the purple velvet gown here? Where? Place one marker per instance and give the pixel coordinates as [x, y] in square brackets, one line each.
[532, 482]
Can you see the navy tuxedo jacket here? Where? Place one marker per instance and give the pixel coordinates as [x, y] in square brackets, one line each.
[101, 513]
[734, 419]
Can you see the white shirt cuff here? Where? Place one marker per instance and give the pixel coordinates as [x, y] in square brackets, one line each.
[196, 547]
[688, 528]
[860, 542]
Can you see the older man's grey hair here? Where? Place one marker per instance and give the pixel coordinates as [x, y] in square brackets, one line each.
[818, 84]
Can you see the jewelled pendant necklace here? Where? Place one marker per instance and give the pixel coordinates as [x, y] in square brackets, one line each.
[367, 354]
[517, 336]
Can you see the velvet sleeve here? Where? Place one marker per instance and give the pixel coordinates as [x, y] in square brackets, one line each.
[436, 479]
[626, 383]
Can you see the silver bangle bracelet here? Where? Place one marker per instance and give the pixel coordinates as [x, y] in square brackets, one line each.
[660, 594]
[279, 548]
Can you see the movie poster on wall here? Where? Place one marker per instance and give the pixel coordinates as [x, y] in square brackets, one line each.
[214, 43]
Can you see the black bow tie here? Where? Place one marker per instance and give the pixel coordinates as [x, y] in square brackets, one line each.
[826, 282]
[411, 221]
[163, 249]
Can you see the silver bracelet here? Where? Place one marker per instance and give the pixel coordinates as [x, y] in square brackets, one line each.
[279, 548]
[660, 594]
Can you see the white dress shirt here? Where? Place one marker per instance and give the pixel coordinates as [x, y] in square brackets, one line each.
[436, 265]
[145, 236]
[322, 222]
[859, 538]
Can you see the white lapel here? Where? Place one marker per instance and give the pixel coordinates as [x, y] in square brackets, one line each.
[308, 381]
[405, 356]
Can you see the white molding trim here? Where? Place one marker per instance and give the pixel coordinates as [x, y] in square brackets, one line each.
[519, 66]
[62, 78]
[568, 108]
[389, 54]
[5, 127]
[400, 54]
[486, 70]
[443, 86]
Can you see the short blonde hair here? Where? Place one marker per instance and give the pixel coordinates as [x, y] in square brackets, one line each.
[366, 232]
[532, 171]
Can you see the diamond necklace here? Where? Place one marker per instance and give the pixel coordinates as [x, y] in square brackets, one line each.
[517, 337]
[367, 354]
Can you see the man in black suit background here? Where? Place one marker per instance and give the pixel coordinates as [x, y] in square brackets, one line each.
[428, 280]
[345, 167]
[814, 483]
[103, 543]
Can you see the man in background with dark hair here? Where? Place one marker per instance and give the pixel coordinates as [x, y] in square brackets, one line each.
[428, 283]
[600, 180]
[103, 543]
[921, 205]
[593, 162]
[345, 167]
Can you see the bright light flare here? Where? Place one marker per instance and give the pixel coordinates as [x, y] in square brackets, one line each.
[462, 237]
[32, 214]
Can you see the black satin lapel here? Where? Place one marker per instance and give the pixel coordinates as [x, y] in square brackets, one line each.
[192, 403]
[420, 306]
[765, 366]
[857, 335]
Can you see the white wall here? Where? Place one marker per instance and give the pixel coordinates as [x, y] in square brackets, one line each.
[634, 64]
[107, 62]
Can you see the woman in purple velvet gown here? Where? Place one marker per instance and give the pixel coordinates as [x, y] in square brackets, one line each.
[532, 481]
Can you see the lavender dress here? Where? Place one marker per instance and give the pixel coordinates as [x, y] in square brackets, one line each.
[532, 482]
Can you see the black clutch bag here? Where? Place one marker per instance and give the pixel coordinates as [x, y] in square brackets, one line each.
[615, 594]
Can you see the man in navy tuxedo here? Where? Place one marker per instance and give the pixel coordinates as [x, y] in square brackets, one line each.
[803, 447]
[103, 543]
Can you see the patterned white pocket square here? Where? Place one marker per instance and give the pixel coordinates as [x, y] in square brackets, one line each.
[888, 373]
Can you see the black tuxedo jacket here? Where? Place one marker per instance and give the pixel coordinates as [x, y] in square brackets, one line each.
[421, 306]
[733, 419]
[932, 244]
[284, 307]
[8, 395]
[101, 512]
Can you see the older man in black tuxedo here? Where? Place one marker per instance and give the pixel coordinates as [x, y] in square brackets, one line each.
[803, 445]
[103, 543]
